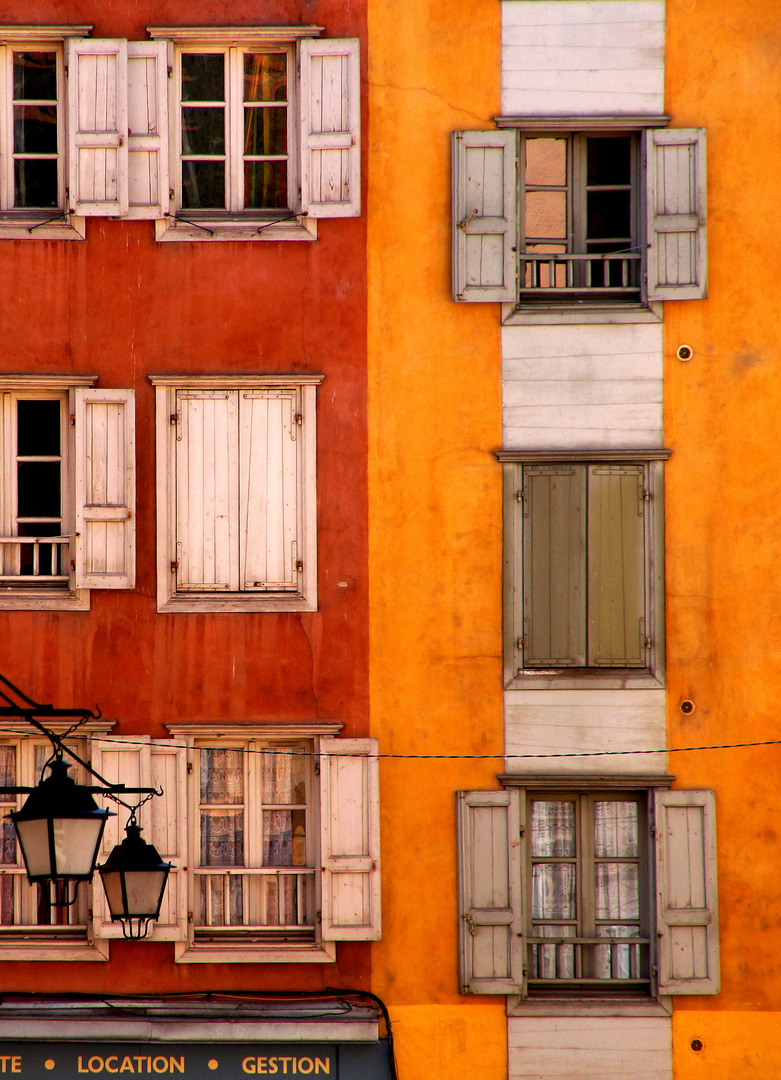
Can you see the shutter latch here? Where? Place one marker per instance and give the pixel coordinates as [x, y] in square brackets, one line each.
[464, 223]
[470, 923]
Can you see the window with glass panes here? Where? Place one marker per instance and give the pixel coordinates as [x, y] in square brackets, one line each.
[236, 137]
[255, 867]
[34, 540]
[587, 875]
[31, 131]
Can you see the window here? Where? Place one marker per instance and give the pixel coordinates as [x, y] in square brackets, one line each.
[237, 500]
[66, 491]
[573, 891]
[583, 564]
[590, 225]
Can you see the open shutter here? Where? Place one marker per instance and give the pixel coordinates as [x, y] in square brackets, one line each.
[484, 215]
[554, 565]
[687, 907]
[105, 489]
[616, 566]
[490, 862]
[677, 254]
[147, 108]
[350, 839]
[269, 439]
[330, 127]
[97, 126]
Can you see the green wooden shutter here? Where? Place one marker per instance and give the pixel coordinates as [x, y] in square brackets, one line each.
[554, 566]
[616, 566]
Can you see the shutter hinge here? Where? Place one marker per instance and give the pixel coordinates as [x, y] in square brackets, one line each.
[174, 566]
[73, 564]
[317, 767]
[648, 643]
[299, 566]
[189, 916]
[174, 418]
[652, 830]
[73, 420]
[520, 496]
[170, 72]
[299, 418]
[189, 768]
[319, 916]
[521, 642]
[646, 494]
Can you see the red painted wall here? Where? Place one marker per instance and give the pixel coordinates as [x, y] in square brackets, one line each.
[123, 307]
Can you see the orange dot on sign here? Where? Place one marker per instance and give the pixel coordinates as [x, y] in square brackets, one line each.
[213, 1063]
[49, 1063]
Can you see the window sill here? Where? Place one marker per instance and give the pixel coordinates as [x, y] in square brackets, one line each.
[35, 227]
[253, 953]
[15, 947]
[578, 312]
[236, 228]
[583, 1005]
[43, 599]
[637, 679]
[193, 605]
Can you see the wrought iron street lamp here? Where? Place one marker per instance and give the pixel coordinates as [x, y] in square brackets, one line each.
[134, 878]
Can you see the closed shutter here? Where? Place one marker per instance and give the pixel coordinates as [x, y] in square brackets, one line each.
[269, 439]
[105, 489]
[207, 490]
[330, 128]
[147, 104]
[687, 906]
[484, 215]
[677, 252]
[350, 839]
[97, 126]
[490, 921]
[554, 583]
[616, 566]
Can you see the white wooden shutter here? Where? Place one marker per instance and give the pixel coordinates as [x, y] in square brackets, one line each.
[350, 839]
[138, 761]
[105, 489]
[147, 109]
[484, 215]
[330, 127]
[677, 252]
[687, 906]
[490, 891]
[97, 126]
[269, 483]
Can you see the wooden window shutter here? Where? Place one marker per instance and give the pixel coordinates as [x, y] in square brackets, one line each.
[97, 126]
[553, 504]
[105, 489]
[269, 440]
[207, 490]
[616, 566]
[687, 905]
[484, 215]
[330, 127]
[350, 839]
[677, 251]
[147, 108]
[490, 891]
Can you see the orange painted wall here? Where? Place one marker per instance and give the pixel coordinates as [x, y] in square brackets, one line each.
[434, 519]
[723, 518]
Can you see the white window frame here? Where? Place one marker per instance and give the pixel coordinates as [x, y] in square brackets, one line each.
[649, 675]
[23, 223]
[304, 598]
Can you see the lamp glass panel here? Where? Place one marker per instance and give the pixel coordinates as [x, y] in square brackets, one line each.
[143, 891]
[112, 884]
[75, 845]
[34, 838]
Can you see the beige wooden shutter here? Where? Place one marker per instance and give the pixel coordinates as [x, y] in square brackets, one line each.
[350, 839]
[207, 491]
[554, 565]
[484, 215]
[686, 903]
[330, 127]
[677, 250]
[105, 489]
[269, 484]
[147, 107]
[97, 126]
[490, 891]
[616, 566]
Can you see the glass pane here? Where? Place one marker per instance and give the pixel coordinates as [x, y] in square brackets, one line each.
[554, 961]
[203, 77]
[618, 961]
[222, 901]
[609, 161]
[35, 184]
[35, 76]
[617, 891]
[265, 185]
[38, 493]
[265, 77]
[42, 756]
[553, 891]
[222, 838]
[265, 130]
[553, 828]
[38, 428]
[616, 833]
[203, 131]
[546, 214]
[6, 901]
[284, 777]
[222, 776]
[35, 129]
[546, 161]
[203, 185]
[7, 771]
[284, 838]
[608, 215]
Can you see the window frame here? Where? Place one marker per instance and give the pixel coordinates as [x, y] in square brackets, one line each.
[169, 599]
[652, 673]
